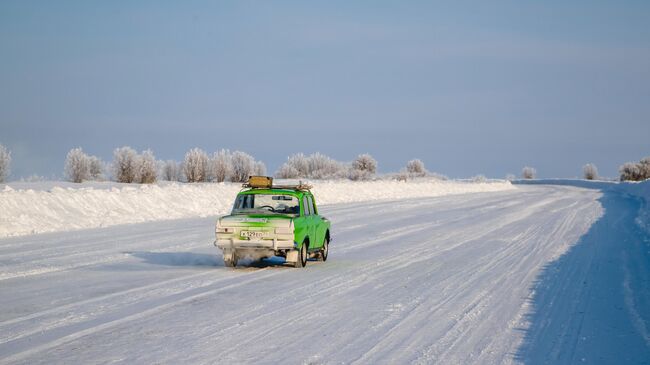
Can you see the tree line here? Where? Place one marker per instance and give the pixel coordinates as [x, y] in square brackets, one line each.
[129, 166]
[629, 171]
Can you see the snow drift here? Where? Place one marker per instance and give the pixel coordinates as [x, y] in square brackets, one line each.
[53, 207]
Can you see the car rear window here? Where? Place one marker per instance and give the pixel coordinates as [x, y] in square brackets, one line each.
[266, 204]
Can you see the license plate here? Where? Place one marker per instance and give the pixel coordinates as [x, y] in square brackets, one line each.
[254, 234]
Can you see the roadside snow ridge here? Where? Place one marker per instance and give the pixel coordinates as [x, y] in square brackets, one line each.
[29, 211]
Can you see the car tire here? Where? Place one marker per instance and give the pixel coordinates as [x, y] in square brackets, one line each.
[230, 260]
[326, 249]
[302, 256]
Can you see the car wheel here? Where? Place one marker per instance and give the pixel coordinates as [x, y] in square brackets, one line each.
[302, 256]
[326, 249]
[230, 259]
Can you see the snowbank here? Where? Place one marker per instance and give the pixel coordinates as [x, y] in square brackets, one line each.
[51, 208]
[640, 190]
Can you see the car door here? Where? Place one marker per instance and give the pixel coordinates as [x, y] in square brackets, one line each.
[301, 222]
[317, 223]
[309, 220]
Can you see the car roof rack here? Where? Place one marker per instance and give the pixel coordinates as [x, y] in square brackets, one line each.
[300, 187]
[266, 182]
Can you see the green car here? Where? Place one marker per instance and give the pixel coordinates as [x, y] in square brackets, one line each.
[273, 220]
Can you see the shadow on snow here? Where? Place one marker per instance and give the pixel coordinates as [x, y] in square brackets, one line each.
[592, 305]
[200, 259]
[177, 258]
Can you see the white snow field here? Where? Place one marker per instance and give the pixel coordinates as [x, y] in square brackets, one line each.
[27, 208]
[534, 274]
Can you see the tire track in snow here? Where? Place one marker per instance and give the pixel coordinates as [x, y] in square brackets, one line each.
[75, 312]
[449, 229]
[492, 262]
[88, 258]
[47, 339]
[344, 282]
[465, 329]
[368, 271]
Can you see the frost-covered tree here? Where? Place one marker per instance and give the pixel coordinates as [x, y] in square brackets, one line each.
[356, 175]
[365, 162]
[195, 165]
[318, 162]
[77, 166]
[319, 166]
[125, 164]
[631, 171]
[95, 168]
[300, 163]
[209, 171]
[635, 171]
[416, 168]
[5, 163]
[363, 167]
[528, 172]
[287, 171]
[324, 167]
[644, 166]
[243, 166]
[147, 169]
[171, 171]
[221, 165]
[590, 172]
[314, 166]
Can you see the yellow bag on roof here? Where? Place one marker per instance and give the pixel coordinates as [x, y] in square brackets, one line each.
[265, 182]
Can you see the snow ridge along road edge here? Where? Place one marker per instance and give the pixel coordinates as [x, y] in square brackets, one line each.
[47, 207]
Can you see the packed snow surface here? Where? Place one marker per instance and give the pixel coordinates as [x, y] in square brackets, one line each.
[538, 275]
[639, 190]
[51, 207]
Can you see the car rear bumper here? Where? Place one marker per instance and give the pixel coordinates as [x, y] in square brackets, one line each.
[271, 244]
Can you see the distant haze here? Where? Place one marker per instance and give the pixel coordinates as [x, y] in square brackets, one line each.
[468, 87]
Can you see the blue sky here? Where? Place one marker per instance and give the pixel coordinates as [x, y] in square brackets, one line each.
[468, 87]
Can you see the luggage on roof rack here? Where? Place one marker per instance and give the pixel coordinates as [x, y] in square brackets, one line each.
[266, 182]
[259, 182]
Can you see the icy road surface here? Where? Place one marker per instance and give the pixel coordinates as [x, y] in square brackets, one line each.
[437, 280]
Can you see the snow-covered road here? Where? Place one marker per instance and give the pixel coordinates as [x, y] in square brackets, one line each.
[435, 280]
